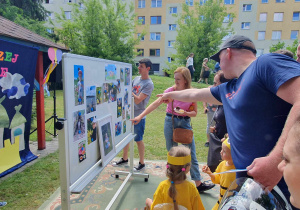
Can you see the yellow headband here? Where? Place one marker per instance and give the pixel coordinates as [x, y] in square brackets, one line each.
[179, 161]
[227, 143]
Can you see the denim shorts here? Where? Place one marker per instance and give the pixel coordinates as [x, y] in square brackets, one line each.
[139, 130]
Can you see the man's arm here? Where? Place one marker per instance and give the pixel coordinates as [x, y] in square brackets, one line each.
[190, 95]
[264, 170]
[138, 99]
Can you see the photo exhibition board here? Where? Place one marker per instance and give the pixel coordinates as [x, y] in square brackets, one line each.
[94, 89]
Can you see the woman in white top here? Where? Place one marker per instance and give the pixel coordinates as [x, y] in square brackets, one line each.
[190, 64]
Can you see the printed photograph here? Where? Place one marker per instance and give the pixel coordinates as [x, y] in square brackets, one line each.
[119, 107]
[78, 84]
[128, 112]
[118, 86]
[107, 143]
[124, 126]
[112, 93]
[107, 138]
[127, 76]
[81, 151]
[79, 125]
[105, 95]
[110, 72]
[90, 99]
[122, 74]
[91, 129]
[98, 95]
[118, 128]
[126, 97]
[123, 113]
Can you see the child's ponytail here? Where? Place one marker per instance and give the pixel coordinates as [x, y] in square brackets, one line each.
[176, 168]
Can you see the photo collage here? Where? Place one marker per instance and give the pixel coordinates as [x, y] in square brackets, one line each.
[92, 97]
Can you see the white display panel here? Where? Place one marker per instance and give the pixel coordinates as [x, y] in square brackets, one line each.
[93, 89]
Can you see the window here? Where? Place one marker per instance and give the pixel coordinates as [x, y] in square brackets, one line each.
[142, 38]
[278, 16]
[186, 19]
[172, 27]
[49, 30]
[226, 37]
[51, 16]
[227, 18]
[155, 19]
[264, 1]
[141, 20]
[228, 1]
[202, 2]
[155, 36]
[170, 59]
[263, 17]
[189, 2]
[261, 35]
[296, 16]
[155, 66]
[171, 43]
[68, 15]
[140, 52]
[141, 4]
[80, 5]
[173, 10]
[49, 1]
[245, 25]
[276, 35]
[294, 34]
[201, 18]
[247, 7]
[280, 1]
[154, 52]
[68, 1]
[156, 3]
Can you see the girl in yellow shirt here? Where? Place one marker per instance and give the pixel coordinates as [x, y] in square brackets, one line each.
[223, 179]
[176, 192]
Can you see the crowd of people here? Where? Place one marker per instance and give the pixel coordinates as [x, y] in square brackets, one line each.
[261, 102]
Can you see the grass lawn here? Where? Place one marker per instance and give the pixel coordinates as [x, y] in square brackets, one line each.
[32, 187]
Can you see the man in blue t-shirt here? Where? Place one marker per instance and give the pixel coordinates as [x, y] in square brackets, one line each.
[261, 103]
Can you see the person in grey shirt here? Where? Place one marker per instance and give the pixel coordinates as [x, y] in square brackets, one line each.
[142, 87]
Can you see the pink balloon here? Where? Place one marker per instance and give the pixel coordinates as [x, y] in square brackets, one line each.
[51, 54]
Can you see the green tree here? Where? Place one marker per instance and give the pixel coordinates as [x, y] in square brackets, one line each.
[274, 47]
[281, 45]
[31, 8]
[30, 16]
[293, 48]
[104, 29]
[201, 32]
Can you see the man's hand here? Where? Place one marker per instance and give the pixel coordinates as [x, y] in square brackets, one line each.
[165, 98]
[212, 129]
[264, 170]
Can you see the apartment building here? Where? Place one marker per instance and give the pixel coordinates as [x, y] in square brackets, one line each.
[57, 6]
[264, 21]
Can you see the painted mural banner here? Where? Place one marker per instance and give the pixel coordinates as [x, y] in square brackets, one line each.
[17, 71]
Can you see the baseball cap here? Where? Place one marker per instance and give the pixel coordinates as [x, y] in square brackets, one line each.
[238, 42]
